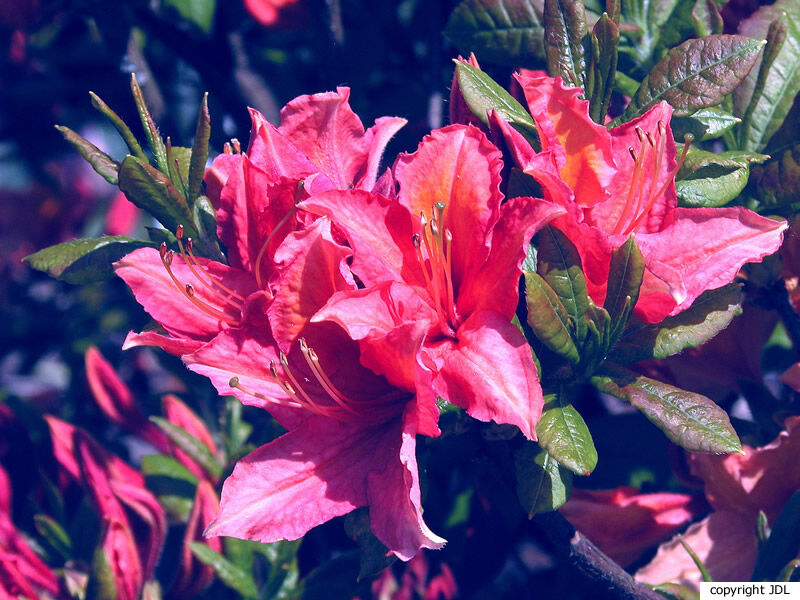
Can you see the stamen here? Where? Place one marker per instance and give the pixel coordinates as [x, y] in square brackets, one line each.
[226, 148]
[222, 293]
[237, 147]
[296, 384]
[289, 213]
[313, 362]
[188, 291]
[234, 383]
[448, 272]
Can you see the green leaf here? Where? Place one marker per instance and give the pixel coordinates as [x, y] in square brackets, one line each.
[482, 94]
[282, 580]
[543, 485]
[194, 448]
[598, 339]
[559, 264]
[564, 434]
[499, 31]
[675, 591]
[706, 317]
[84, 260]
[178, 159]
[55, 535]
[696, 74]
[172, 483]
[783, 543]
[205, 219]
[766, 96]
[624, 280]
[603, 66]
[690, 420]
[228, 573]
[548, 318]
[199, 13]
[704, 124]
[707, 18]
[777, 183]
[696, 560]
[564, 33]
[649, 18]
[374, 555]
[124, 131]
[708, 180]
[202, 135]
[151, 190]
[101, 584]
[150, 129]
[102, 163]
[336, 579]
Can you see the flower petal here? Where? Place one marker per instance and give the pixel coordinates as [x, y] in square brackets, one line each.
[313, 268]
[457, 166]
[167, 301]
[582, 147]
[725, 542]
[495, 286]
[703, 249]
[490, 372]
[394, 501]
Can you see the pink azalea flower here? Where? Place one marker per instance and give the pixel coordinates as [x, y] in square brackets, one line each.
[624, 523]
[351, 439]
[448, 247]
[620, 182]
[193, 576]
[22, 572]
[112, 486]
[738, 487]
[254, 195]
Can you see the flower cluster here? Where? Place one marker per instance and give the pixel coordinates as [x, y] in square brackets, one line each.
[355, 301]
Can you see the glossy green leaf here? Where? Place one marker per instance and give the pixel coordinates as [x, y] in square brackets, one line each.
[766, 96]
[708, 180]
[194, 448]
[84, 260]
[564, 434]
[54, 535]
[151, 190]
[205, 220]
[777, 183]
[564, 33]
[624, 280]
[199, 13]
[374, 555]
[149, 125]
[500, 31]
[548, 318]
[542, 484]
[704, 124]
[482, 94]
[696, 560]
[696, 74]
[603, 66]
[709, 314]
[202, 135]
[690, 420]
[783, 543]
[228, 573]
[172, 483]
[559, 264]
[120, 125]
[102, 163]
[283, 575]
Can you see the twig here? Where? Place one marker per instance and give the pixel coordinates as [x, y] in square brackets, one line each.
[609, 580]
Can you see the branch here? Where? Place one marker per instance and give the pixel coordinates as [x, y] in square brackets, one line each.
[608, 579]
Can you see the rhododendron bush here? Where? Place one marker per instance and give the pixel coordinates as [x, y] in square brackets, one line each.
[539, 338]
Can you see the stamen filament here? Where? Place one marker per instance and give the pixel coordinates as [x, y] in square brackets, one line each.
[234, 383]
[257, 265]
[313, 362]
[296, 384]
[166, 259]
[232, 298]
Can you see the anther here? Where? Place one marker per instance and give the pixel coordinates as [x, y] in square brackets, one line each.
[237, 147]
[234, 382]
[189, 244]
[226, 148]
[190, 289]
[162, 250]
[650, 138]
[179, 232]
[273, 370]
[639, 133]
[632, 153]
[416, 241]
